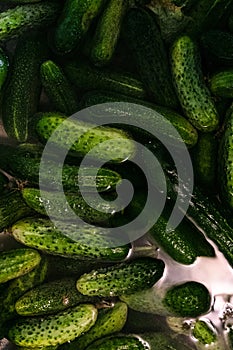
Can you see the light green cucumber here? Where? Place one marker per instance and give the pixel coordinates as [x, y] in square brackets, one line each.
[54, 329]
[203, 333]
[17, 262]
[80, 242]
[109, 321]
[125, 278]
[190, 86]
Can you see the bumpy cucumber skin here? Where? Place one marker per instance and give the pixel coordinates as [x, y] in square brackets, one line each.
[187, 132]
[14, 22]
[75, 20]
[192, 92]
[41, 234]
[221, 83]
[22, 93]
[58, 88]
[107, 32]
[144, 39]
[54, 329]
[118, 343]
[17, 262]
[125, 278]
[50, 298]
[203, 333]
[190, 299]
[109, 321]
[86, 77]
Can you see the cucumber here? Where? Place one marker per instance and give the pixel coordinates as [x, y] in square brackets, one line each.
[74, 22]
[190, 86]
[22, 93]
[119, 145]
[189, 299]
[117, 343]
[58, 88]
[47, 203]
[4, 67]
[54, 329]
[107, 32]
[203, 333]
[221, 83]
[109, 321]
[187, 132]
[18, 20]
[230, 338]
[148, 50]
[72, 241]
[12, 208]
[125, 278]
[50, 298]
[17, 262]
[86, 77]
[204, 158]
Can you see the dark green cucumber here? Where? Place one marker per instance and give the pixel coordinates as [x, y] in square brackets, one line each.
[190, 299]
[187, 132]
[58, 88]
[74, 22]
[86, 77]
[20, 19]
[190, 86]
[107, 32]
[119, 342]
[50, 298]
[125, 278]
[204, 158]
[22, 93]
[221, 83]
[109, 321]
[17, 262]
[12, 208]
[4, 181]
[69, 240]
[85, 136]
[165, 341]
[148, 50]
[4, 67]
[230, 338]
[54, 329]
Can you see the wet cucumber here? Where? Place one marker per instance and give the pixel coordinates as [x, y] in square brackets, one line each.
[54, 329]
[70, 241]
[109, 321]
[17, 262]
[221, 83]
[119, 342]
[22, 93]
[190, 86]
[107, 32]
[58, 88]
[126, 278]
[117, 148]
[50, 298]
[85, 77]
[203, 333]
[148, 50]
[74, 22]
[18, 20]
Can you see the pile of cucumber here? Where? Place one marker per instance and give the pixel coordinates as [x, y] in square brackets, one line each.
[74, 285]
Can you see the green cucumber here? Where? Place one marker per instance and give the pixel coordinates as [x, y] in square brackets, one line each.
[204, 158]
[52, 203]
[125, 278]
[12, 208]
[74, 22]
[119, 145]
[18, 20]
[203, 333]
[186, 130]
[54, 329]
[221, 83]
[86, 77]
[50, 298]
[165, 341]
[190, 86]
[117, 343]
[58, 88]
[22, 93]
[17, 262]
[148, 50]
[109, 321]
[107, 32]
[70, 241]
[230, 338]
